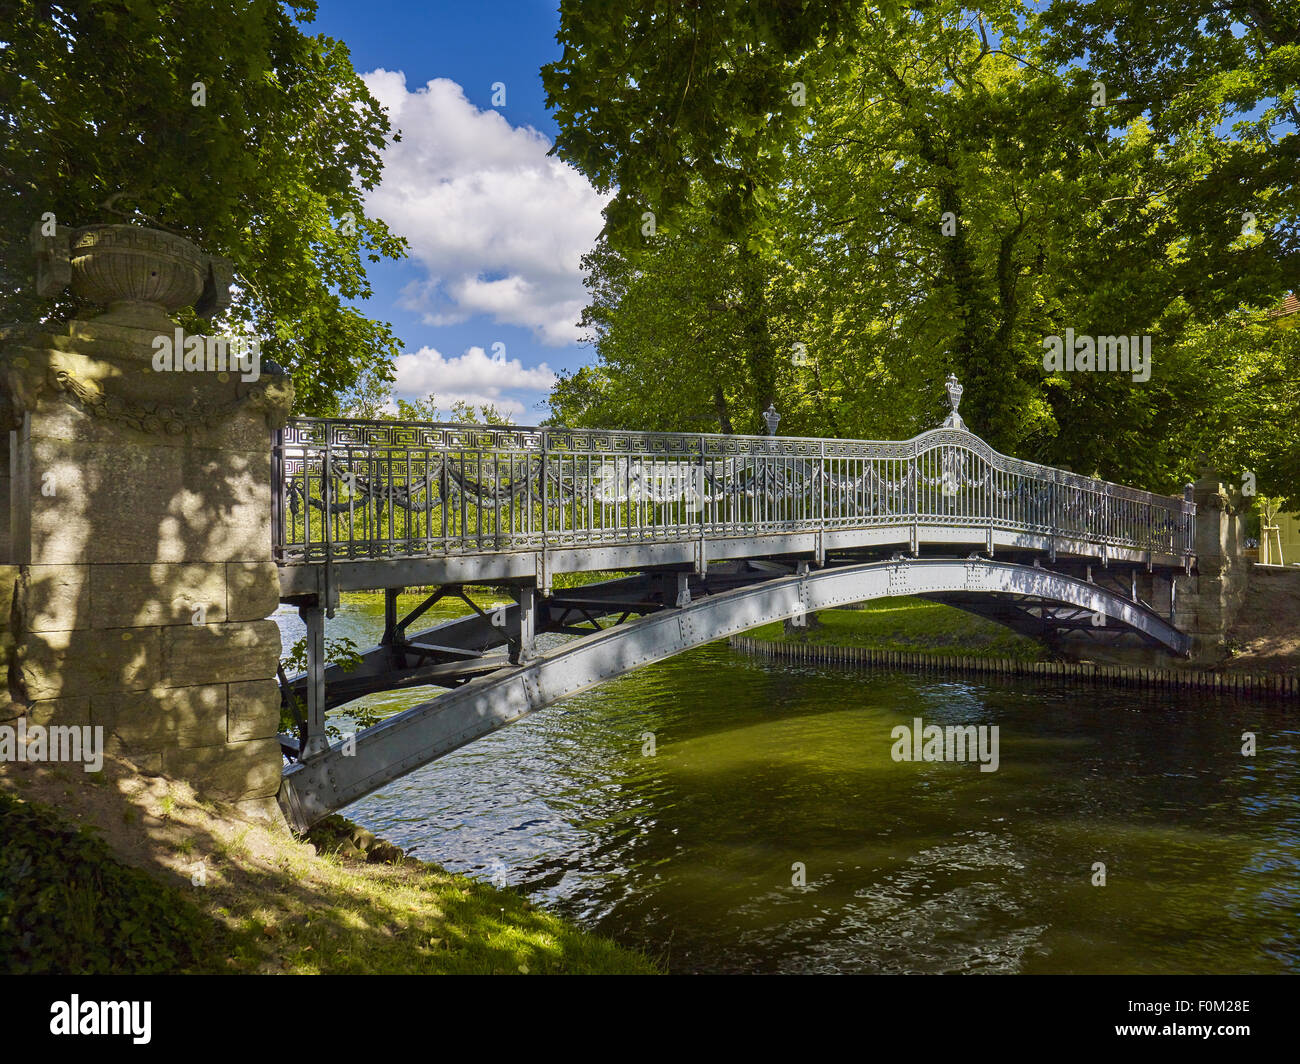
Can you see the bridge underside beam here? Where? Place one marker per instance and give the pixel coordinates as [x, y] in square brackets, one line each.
[1045, 621]
[454, 652]
[319, 785]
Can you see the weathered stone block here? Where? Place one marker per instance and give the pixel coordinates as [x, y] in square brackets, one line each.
[85, 662]
[159, 594]
[166, 716]
[58, 598]
[11, 579]
[148, 761]
[109, 503]
[219, 653]
[252, 590]
[6, 483]
[119, 338]
[148, 504]
[51, 711]
[230, 772]
[235, 520]
[254, 710]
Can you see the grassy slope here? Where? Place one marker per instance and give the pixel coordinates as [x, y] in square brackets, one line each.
[106, 885]
[910, 624]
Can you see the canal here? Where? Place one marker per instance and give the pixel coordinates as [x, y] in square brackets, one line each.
[726, 814]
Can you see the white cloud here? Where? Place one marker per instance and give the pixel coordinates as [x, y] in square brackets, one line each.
[473, 377]
[500, 227]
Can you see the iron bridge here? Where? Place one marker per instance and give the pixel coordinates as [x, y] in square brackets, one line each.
[699, 537]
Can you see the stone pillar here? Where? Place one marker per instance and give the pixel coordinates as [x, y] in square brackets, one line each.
[1206, 604]
[139, 576]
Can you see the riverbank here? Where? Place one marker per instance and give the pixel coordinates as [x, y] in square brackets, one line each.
[908, 626]
[914, 634]
[119, 872]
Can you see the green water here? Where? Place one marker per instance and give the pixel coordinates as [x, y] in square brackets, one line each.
[909, 867]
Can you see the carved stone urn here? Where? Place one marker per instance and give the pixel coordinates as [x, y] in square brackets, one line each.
[141, 275]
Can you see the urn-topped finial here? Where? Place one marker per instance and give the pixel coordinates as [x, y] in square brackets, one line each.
[953, 420]
[772, 418]
[130, 269]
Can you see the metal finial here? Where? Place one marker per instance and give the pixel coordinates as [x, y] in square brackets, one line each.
[772, 418]
[953, 420]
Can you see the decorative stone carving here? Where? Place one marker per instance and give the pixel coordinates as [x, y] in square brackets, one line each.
[127, 265]
[220, 275]
[156, 513]
[268, 394]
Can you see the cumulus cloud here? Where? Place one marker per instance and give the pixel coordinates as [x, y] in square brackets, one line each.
[500, 227]
[474, 377]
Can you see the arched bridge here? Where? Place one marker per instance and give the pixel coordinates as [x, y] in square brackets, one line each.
[715, 535]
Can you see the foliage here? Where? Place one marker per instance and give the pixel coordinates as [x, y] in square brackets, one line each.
[684, 326]
[100, 124]
[646, 96]
[373, 398]
[341, 652]
[1218, 77]
[1270, 507]
[951, 193]
[67, 906]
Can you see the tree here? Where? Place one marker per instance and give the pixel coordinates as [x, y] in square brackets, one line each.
[685, 327]
[683, 110]
[1216, 80]
[952, 198]
[373, 399]
[650, 95]
[222, 122]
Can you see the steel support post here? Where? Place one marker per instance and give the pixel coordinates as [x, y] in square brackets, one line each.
[521, 626]
[676, 590]
[317, 742]
[390, 614]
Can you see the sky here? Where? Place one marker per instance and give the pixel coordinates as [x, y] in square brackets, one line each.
[488, 299]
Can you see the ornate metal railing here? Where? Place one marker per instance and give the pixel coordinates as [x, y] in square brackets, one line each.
[378, 489]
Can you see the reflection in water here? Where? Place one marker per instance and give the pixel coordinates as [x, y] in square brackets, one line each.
[910, 867]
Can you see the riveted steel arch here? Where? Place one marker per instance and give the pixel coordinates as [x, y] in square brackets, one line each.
[319, 785]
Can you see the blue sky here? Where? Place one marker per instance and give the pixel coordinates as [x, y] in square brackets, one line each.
[487, 302]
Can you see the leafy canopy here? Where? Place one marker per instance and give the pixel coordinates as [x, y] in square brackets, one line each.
[222, 122]
[947, 191]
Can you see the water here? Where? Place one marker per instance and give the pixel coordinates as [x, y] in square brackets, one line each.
[689, 853]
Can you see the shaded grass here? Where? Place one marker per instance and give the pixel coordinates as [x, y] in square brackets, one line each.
[107, 884]
[910, 624]
[67, 905]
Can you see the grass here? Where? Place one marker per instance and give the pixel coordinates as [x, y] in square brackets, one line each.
[85, 889]
[913, 625]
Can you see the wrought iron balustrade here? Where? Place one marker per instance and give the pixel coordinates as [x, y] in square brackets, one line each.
[350, 489]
